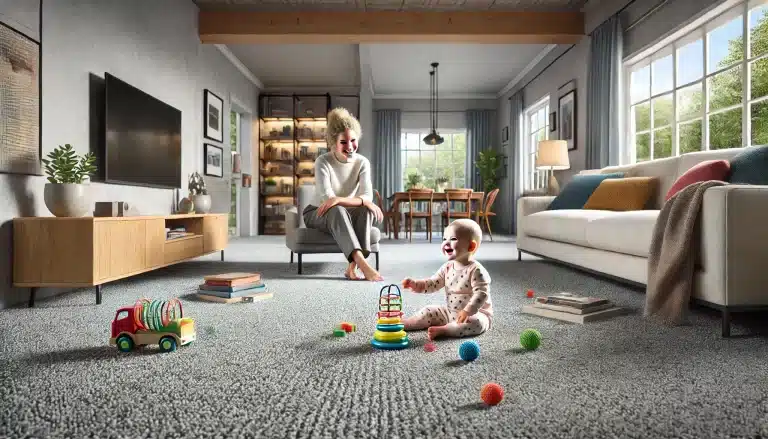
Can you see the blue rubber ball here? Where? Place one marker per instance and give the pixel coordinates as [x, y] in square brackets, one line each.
[469, 350]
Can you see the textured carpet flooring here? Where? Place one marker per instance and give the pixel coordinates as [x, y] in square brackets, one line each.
[271, 369]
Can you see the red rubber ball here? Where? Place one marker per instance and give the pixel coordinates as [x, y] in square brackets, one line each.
[529, 293]
[491, 393]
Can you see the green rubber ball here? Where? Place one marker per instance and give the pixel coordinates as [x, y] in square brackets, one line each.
[530, 339]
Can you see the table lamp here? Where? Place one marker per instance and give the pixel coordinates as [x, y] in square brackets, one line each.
[552, 155]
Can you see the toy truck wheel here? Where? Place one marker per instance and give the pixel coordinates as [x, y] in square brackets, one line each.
[167, 344]
[124, 343]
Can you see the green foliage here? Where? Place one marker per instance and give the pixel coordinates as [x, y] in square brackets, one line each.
[233, 130]
[63, 165]
[197, 184]
[415, 180]
[488, 163]
[726, 89]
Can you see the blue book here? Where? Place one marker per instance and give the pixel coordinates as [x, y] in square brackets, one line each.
[228, 289]
[230, 294]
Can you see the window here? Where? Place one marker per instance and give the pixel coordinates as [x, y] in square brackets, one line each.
[536, 129]
[705, 91]
[432, 161]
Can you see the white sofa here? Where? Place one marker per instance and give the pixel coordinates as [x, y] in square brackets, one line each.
[731, 274]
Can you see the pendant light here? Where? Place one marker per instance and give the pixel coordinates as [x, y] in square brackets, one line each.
[433, 138]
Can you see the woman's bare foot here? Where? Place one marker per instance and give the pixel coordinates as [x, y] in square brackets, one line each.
[368, 271]
[434, 332]
[351, 272]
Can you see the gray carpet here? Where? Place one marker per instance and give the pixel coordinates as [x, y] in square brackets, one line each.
[271, 369]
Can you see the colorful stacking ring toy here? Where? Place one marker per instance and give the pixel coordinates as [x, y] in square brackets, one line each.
[390, 331]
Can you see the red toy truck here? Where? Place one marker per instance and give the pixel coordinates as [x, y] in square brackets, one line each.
[152, 322]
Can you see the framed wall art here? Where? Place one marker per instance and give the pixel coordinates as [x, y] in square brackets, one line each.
[213, 117]
[566, 106]
[214, 160]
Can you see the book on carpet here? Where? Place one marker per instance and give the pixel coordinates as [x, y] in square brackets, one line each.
[240, 292]
[572, 300]
[250, 298]
[570, 309]
[232, 279]
[230, 289]
[574, 318]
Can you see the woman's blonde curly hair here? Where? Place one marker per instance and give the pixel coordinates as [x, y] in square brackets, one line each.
[339, 120]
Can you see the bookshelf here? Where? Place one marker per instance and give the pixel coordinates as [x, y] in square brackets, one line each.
[291, 136]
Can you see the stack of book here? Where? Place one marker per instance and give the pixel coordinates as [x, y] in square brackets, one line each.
[233, 287]
[175, 233]
[573, 308]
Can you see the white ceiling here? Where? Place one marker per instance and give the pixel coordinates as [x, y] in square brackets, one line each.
[373, 5]
[465, 69]
[305, 65]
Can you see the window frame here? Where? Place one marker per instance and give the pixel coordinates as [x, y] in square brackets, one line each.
[700, 32]
[532, 179]
[421, 133]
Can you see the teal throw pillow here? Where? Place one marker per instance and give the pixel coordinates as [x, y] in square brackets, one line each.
[576, 193]
[750, 166]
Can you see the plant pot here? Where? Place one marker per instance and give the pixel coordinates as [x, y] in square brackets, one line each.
[67, 199]
[441, 187]
[186, 206]
[202, 203]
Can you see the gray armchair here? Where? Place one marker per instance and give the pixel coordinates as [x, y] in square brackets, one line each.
[301, 240]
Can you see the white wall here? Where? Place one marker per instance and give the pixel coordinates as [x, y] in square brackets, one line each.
[151, 45]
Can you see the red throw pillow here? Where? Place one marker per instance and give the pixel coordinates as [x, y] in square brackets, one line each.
[704, 171]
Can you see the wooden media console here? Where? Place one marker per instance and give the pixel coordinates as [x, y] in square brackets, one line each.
[91, 251]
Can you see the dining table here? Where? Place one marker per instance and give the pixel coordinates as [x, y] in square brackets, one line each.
[399, 198]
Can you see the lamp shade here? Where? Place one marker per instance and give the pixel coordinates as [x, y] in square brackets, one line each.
[553, 154]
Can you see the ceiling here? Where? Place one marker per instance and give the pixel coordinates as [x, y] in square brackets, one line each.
[397, 70]
[403, 5]
[403, 69]
[307, 65]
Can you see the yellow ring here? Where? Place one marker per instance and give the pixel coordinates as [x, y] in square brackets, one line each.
[388, 320]
[389, 336]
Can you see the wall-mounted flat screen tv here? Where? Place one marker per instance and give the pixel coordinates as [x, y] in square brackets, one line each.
[143, 137]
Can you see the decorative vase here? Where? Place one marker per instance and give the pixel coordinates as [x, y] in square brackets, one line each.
[202, 203]
[441, 187]
[67, 199]
[186, 205]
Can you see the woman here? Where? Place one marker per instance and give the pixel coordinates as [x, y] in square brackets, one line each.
[343, 204]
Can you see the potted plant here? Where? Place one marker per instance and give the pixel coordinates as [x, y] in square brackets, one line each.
[270, 186]
[198, 193]
[488, 164]
[65, 194]
[415, 180]
[441, 183]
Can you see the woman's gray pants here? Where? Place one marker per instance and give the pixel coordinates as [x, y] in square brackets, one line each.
[350, 227]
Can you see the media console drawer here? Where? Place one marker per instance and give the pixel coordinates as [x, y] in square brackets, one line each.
[183, 248]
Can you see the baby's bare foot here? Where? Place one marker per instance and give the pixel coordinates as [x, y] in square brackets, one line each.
[434, 332]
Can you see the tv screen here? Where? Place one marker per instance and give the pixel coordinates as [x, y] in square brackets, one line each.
[143, 138]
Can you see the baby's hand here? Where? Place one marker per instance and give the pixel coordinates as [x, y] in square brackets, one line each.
[415, 285]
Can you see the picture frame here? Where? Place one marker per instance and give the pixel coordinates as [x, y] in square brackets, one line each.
[213, 116]
[213, 160]
[566, 107]
[505, 134]
[21, 146]
[553, 121]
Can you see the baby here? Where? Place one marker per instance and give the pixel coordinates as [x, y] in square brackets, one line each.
[467, 310]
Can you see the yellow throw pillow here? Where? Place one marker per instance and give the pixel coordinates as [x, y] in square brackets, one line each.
[622, 194]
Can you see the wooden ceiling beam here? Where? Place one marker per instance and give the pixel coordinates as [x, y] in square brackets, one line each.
[504, 27]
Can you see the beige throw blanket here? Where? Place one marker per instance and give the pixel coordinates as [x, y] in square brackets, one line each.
[672, 257]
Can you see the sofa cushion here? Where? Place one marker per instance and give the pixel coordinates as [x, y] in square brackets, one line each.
[750, 166]
[576, 193]
[563, 225]
[704, 171]
[623, 232]
[622, 194]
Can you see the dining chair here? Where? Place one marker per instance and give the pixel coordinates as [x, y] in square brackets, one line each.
[389, 215]
[456, 196]
[412, 213]
[485, 212]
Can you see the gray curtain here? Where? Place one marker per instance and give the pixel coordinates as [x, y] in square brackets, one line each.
[514, 188]
[603, 86]
[480, 126]
[387, 165]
